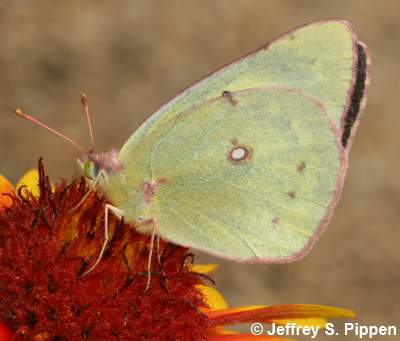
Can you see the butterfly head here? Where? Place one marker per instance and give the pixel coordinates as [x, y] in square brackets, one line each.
[94, 162]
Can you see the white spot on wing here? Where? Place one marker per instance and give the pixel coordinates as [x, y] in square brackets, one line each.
[238, 154]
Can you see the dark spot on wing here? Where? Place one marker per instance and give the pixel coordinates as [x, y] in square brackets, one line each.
[292, 194]
[275, 220]
[228, 95]
[357, 95]
[301, 167]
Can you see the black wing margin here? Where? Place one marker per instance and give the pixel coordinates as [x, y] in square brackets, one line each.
[359, 92]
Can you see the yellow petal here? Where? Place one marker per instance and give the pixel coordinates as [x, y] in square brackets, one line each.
[5, 188]
[221, 331]
[204, 268]
[31, 181]
[214, 299]
[306, 322]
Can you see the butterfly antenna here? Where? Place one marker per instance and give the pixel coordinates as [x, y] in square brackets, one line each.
[27, 117]
[85, 107]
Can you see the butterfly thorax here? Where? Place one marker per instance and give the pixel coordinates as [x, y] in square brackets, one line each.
[113, 182]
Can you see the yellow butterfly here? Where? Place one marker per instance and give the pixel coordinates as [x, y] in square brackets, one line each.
[248, 163]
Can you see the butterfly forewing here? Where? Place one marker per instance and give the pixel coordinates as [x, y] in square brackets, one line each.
[319, 59]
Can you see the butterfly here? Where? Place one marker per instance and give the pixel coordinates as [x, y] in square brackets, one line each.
[248, 163]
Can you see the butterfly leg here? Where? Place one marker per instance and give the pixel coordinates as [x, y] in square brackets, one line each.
[163, 273]
[118, 213]
[158, 250]
[153, 235]
[91, 189]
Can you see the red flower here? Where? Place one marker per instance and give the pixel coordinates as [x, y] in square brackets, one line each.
[45, 249]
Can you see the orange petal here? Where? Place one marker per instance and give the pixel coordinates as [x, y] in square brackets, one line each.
[274, 313]
[245, 337]
[31, 181]
[5, 188]
[213, 298]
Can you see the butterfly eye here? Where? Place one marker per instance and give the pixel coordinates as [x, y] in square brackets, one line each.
[91, 170]
[88, 169]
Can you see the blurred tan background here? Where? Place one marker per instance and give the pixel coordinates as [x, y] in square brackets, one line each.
[131, 56]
